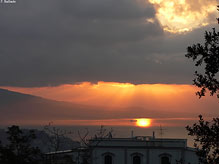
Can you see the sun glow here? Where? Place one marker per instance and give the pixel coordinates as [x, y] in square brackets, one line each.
[143, 122]
[112, 94]
[109, 102]
[179, 16]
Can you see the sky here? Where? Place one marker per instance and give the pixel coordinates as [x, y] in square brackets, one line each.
[108, 53]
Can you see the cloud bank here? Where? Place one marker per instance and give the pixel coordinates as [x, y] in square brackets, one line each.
[57, 42]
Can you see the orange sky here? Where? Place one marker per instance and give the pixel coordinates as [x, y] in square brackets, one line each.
[177, 101]
[112, 94]
[144, 43]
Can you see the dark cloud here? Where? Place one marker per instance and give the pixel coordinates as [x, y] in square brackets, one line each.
[107, 9]
[54, 42]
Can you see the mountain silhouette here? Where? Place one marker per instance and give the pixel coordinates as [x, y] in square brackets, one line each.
[19, 108]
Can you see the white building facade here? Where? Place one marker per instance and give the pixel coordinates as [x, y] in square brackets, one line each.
[141, 150]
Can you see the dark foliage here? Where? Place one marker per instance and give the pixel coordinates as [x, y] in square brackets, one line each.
[19, 149]
[206, 137]
[207, 55]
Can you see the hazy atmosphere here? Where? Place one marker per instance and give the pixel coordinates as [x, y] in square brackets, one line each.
[103, 62]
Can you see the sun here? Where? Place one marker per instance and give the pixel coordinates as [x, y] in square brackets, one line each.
[143, 122]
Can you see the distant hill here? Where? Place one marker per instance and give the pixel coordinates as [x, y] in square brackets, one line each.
[7, 97]
[42, 141]
[16, 108]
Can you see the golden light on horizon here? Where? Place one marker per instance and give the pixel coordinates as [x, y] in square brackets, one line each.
[132, 99]
[179, 16]
[143, 122]
[111, 94]
[116, 103]
[114, 94]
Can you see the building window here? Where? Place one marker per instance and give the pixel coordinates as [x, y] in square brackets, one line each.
[136, 159]
[165, 158]
[108, 158]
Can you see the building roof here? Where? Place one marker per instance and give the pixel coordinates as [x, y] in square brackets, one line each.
[139, 141]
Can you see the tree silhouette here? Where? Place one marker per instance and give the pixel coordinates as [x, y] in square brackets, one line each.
[207, 55]
[206, 134]
[19, 149]
[206, 137]
[57, 137]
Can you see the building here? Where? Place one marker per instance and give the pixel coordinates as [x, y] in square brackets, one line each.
[141, 150]
[73, 156]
